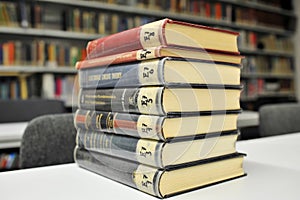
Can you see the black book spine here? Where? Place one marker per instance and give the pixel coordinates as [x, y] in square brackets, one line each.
[123, 75]
[145, 100]
[139, 150]
[140, 126]
[132, 174]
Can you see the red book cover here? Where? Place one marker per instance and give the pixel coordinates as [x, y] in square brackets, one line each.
[58, 87]
[207, 10]
[159, 52]
[218, 10]
[11, 53]
[196, 7]
[108, 60]
[152, 35]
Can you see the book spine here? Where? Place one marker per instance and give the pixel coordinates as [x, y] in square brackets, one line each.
[140, 126]
[140, 177]
[126, 57]
[149, 72]
[139, 150]
[148, 35]
[147, 100]
[1, 54]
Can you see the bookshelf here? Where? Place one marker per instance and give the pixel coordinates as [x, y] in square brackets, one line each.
[10, 141]
[261, 40]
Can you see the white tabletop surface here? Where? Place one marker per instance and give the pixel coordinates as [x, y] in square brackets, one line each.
[272, 165]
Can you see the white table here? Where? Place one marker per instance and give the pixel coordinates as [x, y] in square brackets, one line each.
[272, 165]
[281, 151]
[11, 134]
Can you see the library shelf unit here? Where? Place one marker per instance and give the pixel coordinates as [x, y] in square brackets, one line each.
[257, 33]
[10, 141]
[47, 33]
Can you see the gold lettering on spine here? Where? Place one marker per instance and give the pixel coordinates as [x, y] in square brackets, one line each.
[98, 121]
[106, 76]
[116, 75]
[91, 140]
[94, 77]
[88, 120]
[109, 121]
[101, 143]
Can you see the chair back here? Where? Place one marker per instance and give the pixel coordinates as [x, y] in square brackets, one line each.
[48, 140]
[276, 119]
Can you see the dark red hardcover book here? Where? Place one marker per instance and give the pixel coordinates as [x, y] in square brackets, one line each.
[164, 32]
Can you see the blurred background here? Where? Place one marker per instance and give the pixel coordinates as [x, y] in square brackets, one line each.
[42, 40]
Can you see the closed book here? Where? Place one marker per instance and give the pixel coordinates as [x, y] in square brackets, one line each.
[1, 54]
[160, 72]
[161, 100]
[159, 52]
[162, 182]
[155, 127]
[158, 153]
[164, 32]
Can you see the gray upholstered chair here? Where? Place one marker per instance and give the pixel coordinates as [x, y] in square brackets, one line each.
[48, 140]
[276, 119]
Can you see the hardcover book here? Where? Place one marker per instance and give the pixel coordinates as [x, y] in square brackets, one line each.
[159, 52]
[155, 127]
[157, 153]
[163, 71]
[164, 32]
[162, 182]
[161, 100]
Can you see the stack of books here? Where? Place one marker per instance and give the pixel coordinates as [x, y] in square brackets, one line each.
[158, 107]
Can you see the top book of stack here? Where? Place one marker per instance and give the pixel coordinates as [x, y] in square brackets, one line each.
[165, 32]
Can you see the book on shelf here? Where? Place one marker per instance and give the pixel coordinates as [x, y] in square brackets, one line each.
[39, 52]
[8, 160]
[158, 153]
[161, 182]
[155, 127]
[36, 15]
[162, 71]
[161, 100]
[164, 32]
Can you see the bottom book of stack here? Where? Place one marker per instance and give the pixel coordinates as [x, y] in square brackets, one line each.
[162, 182]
